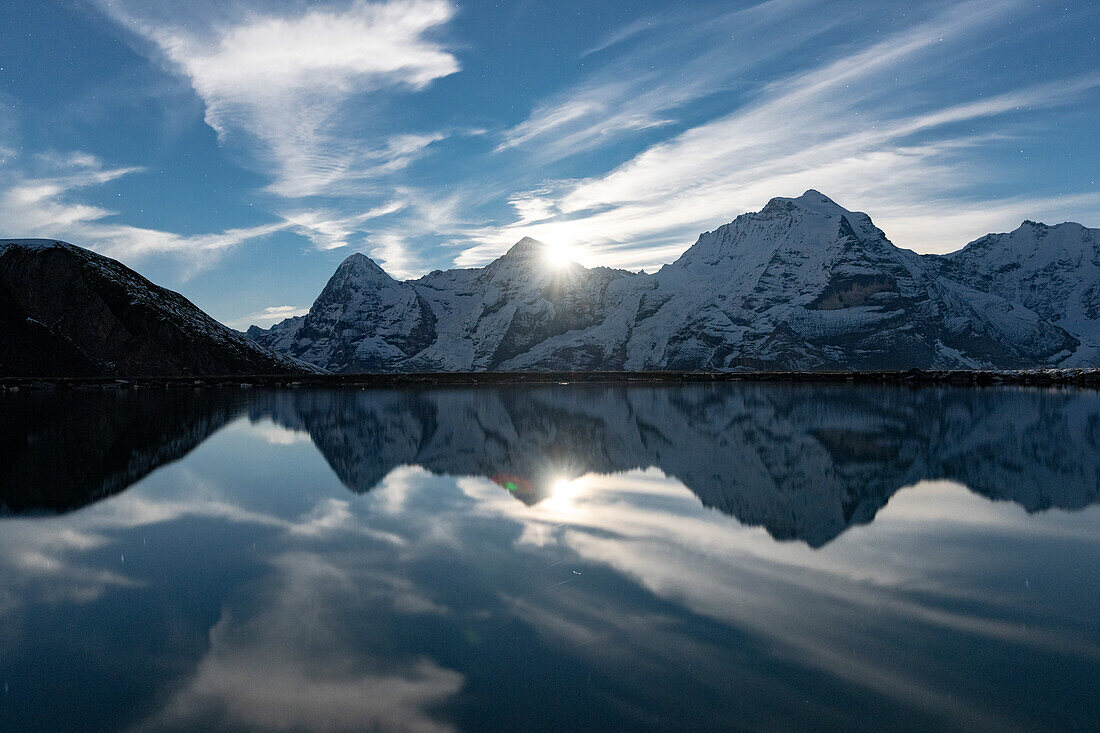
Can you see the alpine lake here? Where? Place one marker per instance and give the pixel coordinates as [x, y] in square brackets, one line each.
[551, 558]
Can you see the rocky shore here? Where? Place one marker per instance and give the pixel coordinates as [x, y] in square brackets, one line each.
[1034, 377]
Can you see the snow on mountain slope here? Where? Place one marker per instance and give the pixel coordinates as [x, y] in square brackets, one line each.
[806, 284]
[1053, 270]
[454, 320]
[364, 320]
[801, 284]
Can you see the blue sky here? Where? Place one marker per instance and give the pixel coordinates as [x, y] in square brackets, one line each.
[238, 151]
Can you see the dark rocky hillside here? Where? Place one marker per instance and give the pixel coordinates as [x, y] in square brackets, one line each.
[67, 311]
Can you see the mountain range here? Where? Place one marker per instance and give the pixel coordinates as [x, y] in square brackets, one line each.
[802, 284]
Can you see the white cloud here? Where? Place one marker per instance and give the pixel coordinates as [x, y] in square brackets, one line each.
[280, 84]
[642, 90]
[279, 312]
[269, 315]
[48, 205]
[331, 229]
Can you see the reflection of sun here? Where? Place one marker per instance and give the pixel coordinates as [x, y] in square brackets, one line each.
[559, 255]
[564, 493]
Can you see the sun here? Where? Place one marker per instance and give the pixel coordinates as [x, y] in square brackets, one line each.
[559, 256]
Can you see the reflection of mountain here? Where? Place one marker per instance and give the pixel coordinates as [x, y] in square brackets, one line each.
[61, 451]
[803, 462]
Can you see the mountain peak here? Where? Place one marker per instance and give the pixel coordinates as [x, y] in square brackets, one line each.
[1038, 226]
[359, 264]
[524, 255]
[812, 200]
[358, 259]
[526, 247]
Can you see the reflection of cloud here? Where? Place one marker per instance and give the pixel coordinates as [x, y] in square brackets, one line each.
[289, 666]
[623, 575]
[43, 565]
[812, 605]
[279, 435]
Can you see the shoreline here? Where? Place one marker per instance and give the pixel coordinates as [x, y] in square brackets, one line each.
[1082, 377]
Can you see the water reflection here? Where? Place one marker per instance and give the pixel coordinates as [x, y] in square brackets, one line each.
[802, 462]
[551, 559]
[60, 451]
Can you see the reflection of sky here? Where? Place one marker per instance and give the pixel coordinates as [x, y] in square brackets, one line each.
[244, 586]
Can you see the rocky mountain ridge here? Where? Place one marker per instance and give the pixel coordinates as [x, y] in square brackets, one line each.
[67, 311]
[803, 284]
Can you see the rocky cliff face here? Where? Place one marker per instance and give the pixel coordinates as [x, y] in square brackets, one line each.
[1053, 270]
[66, 311]
[456, 320]
[802, 284]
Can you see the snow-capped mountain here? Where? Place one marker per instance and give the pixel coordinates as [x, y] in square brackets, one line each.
[802, 284]
[454, 320]
[1053, 270]
[67, 311]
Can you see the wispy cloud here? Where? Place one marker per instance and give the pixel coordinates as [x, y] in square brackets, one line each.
[43, 197]
[694, 55]
[269, 315]
[854, 126]
[675, 125]
[279, 84]
[331, 229]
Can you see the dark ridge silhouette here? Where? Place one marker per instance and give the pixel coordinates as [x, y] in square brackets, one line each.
[66, 311]
[62, 451]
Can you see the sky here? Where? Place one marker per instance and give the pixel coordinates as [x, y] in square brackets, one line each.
[238, 151]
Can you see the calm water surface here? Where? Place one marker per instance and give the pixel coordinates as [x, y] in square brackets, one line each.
[551, 558]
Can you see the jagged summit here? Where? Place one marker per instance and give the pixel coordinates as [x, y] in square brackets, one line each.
[525, 250]
[811, 227]
[1053, 270]
[801, 284]
[524, 265]
[526, 255]
[360, 263]
[812, 200]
